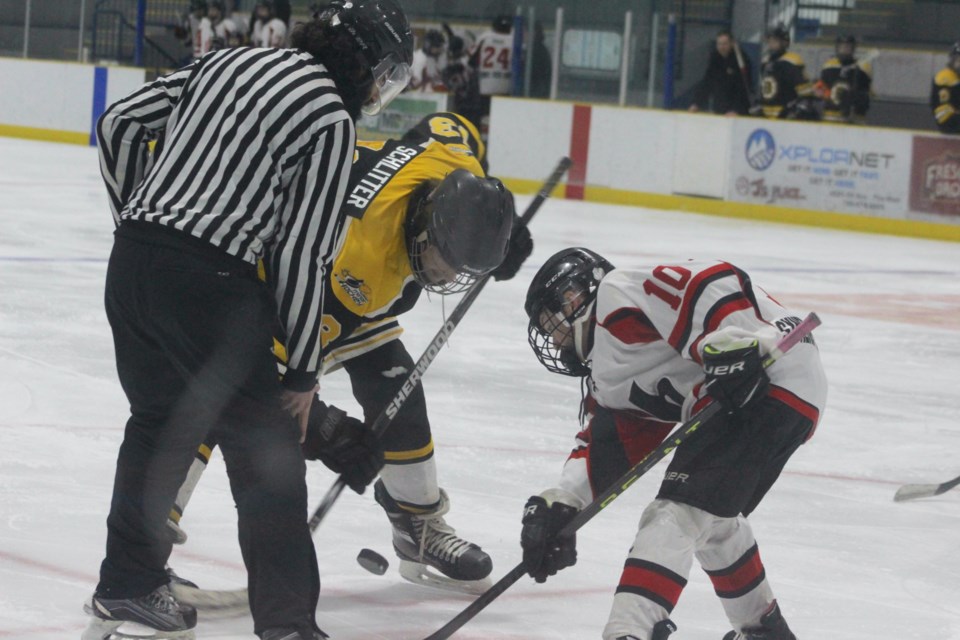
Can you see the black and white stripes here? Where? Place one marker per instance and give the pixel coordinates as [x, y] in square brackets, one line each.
[253, 155]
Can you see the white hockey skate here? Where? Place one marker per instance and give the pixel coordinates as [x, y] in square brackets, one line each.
[155, 616]
[430, 551]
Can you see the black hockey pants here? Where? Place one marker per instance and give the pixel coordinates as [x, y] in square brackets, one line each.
[192, 330]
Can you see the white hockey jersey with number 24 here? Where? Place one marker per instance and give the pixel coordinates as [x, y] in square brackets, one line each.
[652, 324]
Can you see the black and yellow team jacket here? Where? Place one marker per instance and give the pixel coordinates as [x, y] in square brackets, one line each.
[782, 80]
[847, 90]
[945, 100]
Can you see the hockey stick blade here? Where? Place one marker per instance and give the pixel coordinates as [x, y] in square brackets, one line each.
[212, 602]
[671, 442]
[413, 379]
[915, 491]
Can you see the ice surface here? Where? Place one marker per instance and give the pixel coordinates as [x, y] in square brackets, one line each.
[845, 561]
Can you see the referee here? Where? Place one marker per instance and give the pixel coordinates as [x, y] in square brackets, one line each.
[252, 158]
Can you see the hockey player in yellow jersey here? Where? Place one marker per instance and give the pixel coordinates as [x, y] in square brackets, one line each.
[845, 83]
[375, 277]
[420, 215]
[783, 81]
[945, 94]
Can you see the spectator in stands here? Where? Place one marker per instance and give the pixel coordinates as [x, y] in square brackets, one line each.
[945, 94]
[267, 30]
[491, 61]
[541, 66]
[844, 84]
[725, 87]
[429, 62]
[785, 91]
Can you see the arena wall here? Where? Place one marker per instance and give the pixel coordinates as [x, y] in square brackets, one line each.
[59, 101]
[859, 178]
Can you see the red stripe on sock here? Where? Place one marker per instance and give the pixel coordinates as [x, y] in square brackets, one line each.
[658, 583]
[740, 577]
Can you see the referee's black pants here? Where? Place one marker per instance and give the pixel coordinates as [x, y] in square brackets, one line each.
[192, 329]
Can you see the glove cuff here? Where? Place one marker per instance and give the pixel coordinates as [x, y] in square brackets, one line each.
[562, 496]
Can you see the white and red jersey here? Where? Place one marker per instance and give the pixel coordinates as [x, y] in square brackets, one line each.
[426, 72]
[224, 31]
[645, 362]
[272, 33]
[492, 56]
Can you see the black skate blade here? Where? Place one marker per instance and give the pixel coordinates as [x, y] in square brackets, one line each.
[372, 561]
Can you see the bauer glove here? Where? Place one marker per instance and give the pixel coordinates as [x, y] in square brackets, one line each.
[734, 373]
[544, 552]
[344, 444]
[518, 250]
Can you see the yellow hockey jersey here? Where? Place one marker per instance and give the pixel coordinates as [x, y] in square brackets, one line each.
[371, 276]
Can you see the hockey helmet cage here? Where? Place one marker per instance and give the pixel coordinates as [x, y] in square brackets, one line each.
[465, 221]
[381, 31]
[955, 49]
[559, 297]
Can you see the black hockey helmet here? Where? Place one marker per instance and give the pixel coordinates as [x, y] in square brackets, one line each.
[433, 39]
[382, 35]
[849, 43]
[558, 301]
[780, 33]
[503, 23]
[465, 221]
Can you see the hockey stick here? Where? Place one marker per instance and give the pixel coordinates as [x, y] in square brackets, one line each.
[914, 491]
[386, 416]
[671, 442]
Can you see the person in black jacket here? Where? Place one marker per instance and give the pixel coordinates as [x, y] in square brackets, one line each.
[725, 87]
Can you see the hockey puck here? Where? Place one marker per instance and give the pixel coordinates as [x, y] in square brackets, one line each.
[372, 561]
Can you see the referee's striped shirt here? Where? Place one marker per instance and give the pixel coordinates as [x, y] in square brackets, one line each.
[254, 154]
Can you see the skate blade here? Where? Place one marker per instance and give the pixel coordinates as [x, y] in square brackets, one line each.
[220, 604]
[426, 576]
[99, 629]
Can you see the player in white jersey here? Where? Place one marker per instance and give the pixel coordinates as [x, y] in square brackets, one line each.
[268, 30]
[657, 344]
[491, 64]
[428, 63]
[216, 31]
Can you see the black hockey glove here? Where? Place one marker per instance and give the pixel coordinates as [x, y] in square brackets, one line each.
[518, 250]
[735, 374]
[345, 445]
[544, 553]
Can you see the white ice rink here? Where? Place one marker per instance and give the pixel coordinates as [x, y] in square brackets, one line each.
[845, 561]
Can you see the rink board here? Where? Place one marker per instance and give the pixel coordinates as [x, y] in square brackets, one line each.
[859, 178]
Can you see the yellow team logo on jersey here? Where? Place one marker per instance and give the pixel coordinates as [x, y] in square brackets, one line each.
[944, 95]
[768, 87]
[839, 92]
[356, 288]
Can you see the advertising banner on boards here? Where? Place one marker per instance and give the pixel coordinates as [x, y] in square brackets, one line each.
[935, 176]
[827, 168]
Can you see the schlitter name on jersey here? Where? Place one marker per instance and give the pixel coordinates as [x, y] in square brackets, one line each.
[374, 180]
